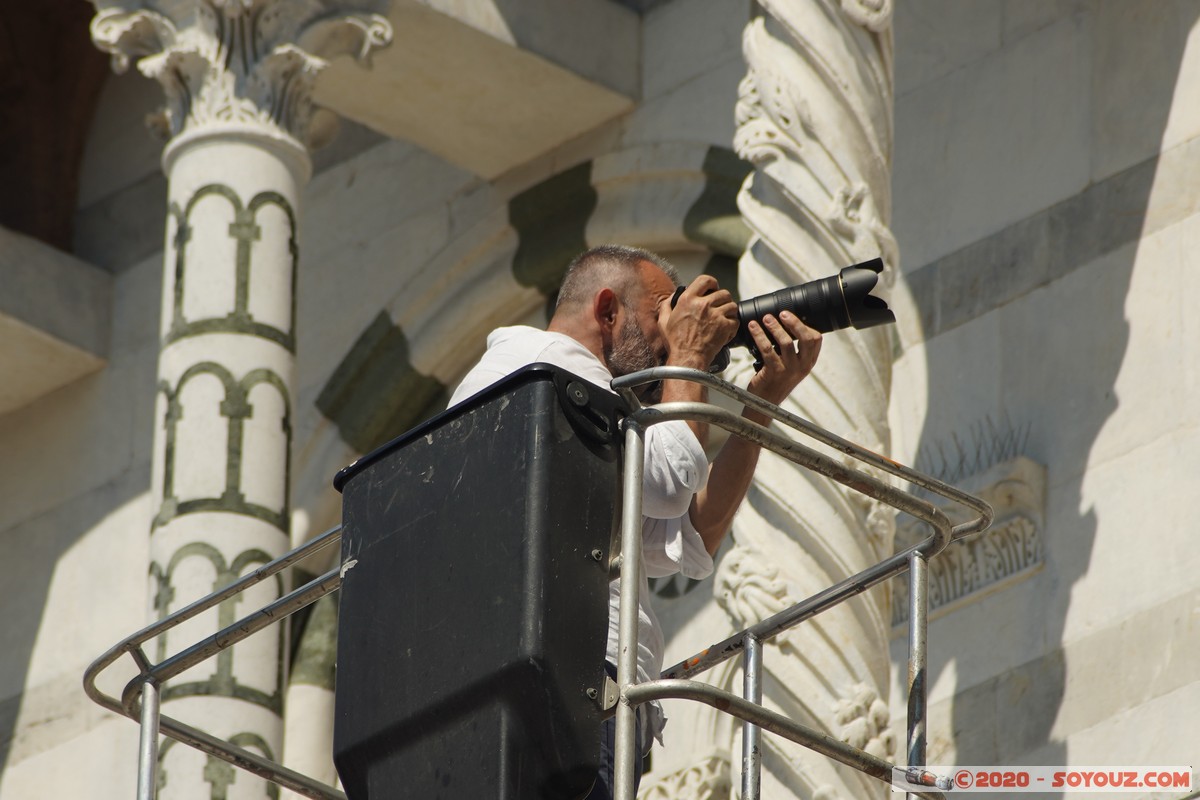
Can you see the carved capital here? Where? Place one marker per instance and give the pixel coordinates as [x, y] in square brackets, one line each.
[238, 64]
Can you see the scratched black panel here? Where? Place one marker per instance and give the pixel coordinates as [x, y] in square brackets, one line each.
[473, 614]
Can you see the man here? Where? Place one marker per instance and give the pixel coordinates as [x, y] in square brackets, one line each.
[614, 316]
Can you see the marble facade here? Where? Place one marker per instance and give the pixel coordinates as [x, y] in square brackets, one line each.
[1026, 168]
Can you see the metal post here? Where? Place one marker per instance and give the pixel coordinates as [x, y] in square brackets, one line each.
[626, 755]
[918, 632]
[148, 745]
[751, 734]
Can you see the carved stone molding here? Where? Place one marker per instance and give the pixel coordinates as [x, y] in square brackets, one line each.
[708, 778]
[749, 589]
[814, 117]
[874, 15]
[864, 717]
[1011, 549]
[238, 64]
[826, 147]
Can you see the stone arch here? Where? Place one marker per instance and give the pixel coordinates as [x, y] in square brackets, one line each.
[265, 320]
[252, 741]
[207, 555]
[266, 646]
[673, 196]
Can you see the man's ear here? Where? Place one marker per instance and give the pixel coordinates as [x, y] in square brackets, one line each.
[605, 306]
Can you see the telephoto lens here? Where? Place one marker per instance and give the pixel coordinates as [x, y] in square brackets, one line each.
[826, 305]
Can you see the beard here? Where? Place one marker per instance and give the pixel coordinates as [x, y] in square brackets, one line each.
[632, 353]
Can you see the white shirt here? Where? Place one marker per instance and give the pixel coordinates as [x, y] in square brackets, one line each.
[675, 469]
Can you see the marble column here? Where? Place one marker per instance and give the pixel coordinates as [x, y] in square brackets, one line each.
[239, 122]
[814, 117]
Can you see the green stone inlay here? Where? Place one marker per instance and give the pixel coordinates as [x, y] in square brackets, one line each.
[1042, 248]
[236, 408]
[161, 778]
[215, 688]
[220, 774]
[551, 223]
[252, 741]
[376, 394]
[164, 594]
[217, 773]
[233, 324]
[223, 682]
[245, 231]
[714, 220]
[316, 651]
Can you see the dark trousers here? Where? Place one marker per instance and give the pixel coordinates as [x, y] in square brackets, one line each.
[603, 788]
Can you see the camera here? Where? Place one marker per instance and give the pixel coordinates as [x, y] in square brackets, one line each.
[827, 304]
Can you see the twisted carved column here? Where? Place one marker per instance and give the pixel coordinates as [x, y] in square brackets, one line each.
[814, 117]
[238, 77]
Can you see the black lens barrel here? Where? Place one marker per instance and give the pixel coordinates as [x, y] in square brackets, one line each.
[817, 303]
[827, 304]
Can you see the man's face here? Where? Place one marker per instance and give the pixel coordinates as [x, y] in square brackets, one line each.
[631, 351]
[639, 343]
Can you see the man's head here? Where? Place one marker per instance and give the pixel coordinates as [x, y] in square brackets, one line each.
[614, 265]
[614, 300]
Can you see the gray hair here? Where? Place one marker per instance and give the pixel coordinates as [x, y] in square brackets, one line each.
[614, 266]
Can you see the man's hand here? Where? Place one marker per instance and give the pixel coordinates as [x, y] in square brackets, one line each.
[702, 322]
[788, 355]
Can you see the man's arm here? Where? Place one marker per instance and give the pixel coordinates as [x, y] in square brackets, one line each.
[713, 507]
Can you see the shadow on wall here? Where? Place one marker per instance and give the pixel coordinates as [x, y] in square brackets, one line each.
[31, 568]
[1060, 345]
[51, 83]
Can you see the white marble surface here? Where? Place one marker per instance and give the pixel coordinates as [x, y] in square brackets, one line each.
[1002, 111]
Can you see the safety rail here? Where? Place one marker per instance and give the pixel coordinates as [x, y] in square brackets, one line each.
[749, 641]
[140, 700]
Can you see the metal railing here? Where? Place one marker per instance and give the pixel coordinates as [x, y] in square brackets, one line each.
[140, 699]
[749, 642]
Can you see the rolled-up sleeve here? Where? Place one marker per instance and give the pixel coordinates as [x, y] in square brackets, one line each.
[673, 545]
[675, 469]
